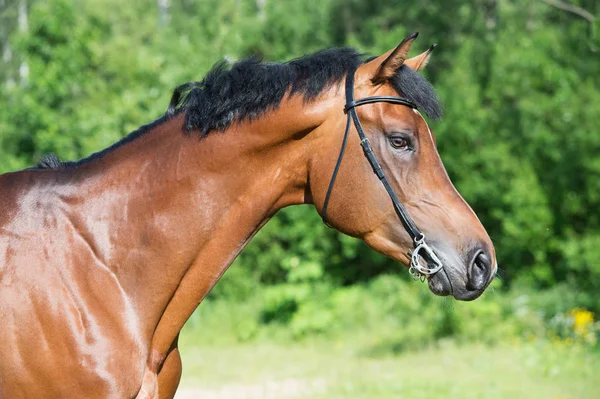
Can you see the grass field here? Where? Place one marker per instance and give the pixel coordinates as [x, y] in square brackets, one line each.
[321, 369]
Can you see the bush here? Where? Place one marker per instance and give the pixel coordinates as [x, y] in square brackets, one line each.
[390, 315]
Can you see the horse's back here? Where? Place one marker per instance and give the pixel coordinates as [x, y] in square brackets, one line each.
[63, 312]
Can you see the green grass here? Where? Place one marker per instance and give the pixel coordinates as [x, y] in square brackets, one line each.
[329, 370]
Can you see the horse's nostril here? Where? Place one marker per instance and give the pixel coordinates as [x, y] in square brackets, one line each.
[478, 273]
[480, 262]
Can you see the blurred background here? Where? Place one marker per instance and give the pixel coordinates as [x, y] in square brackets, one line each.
[305, 311]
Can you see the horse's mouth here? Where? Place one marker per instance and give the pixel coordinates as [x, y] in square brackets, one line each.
[440, 284]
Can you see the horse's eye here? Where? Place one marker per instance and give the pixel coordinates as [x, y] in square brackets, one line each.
[399, 142]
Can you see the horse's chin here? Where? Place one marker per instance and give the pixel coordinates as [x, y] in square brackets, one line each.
[439, 284]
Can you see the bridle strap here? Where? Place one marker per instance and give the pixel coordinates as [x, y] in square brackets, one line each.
[416, 269]
[335, 172]
[351, 103]
[350, 108]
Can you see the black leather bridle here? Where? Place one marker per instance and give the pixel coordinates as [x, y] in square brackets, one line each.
[421, 249]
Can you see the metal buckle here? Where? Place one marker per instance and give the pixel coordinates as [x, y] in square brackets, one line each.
[416, 270]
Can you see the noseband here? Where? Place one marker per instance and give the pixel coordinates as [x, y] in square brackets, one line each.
[421, 248]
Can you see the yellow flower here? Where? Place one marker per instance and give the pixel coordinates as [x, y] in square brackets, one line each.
[582, 320]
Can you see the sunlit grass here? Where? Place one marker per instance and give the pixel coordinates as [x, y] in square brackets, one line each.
[325, 369]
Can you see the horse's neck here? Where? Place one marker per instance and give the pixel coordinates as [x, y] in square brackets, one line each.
[173, 210]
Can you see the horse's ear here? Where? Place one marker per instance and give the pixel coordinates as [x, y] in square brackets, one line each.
[420, 61]
[391, 61]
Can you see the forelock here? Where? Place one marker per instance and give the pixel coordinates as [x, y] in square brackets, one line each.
[413, 86]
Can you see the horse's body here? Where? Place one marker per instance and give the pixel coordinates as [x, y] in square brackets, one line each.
[102, 261]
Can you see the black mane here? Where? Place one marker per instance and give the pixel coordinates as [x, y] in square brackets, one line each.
[249, 88]
[50, 161]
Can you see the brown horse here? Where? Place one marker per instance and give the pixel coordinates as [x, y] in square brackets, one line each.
[103, 260]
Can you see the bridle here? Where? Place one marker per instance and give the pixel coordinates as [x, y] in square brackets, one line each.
[422, 249]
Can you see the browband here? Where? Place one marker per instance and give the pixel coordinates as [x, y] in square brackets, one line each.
[377, 99]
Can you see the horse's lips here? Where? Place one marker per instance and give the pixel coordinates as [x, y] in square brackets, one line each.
[439, 284]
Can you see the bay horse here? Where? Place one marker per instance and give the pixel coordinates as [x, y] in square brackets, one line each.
[103, 260]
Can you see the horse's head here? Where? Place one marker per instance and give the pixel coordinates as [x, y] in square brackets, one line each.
[404, 146]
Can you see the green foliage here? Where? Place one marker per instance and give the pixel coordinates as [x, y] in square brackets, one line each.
[522, 91]
[389, 315]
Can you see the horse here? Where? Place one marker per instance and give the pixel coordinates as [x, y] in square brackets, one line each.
[104, 259]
